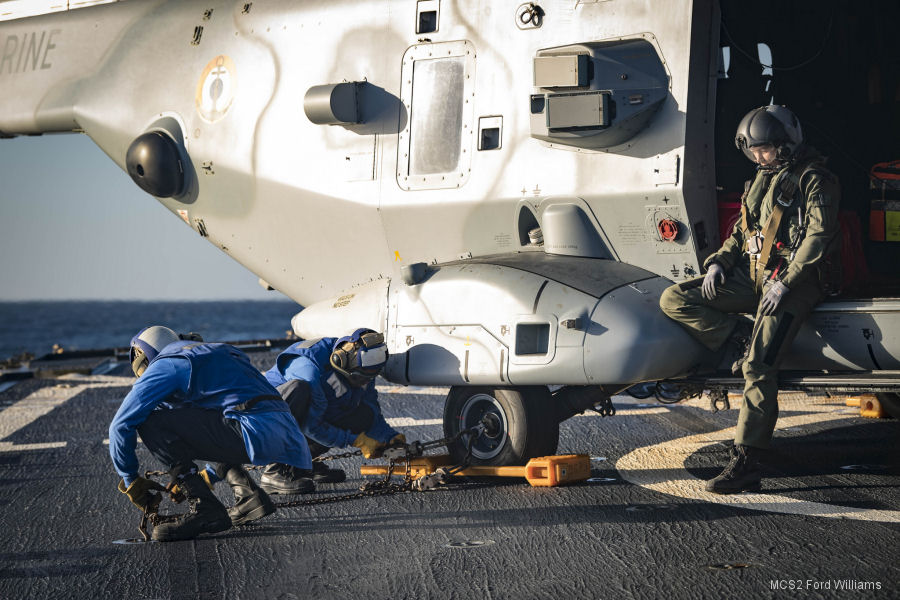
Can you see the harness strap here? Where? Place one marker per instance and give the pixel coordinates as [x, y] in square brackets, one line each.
[782, 198]
[769, 232]
[745, 221]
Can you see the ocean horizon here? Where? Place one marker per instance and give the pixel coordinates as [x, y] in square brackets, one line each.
[35, 326]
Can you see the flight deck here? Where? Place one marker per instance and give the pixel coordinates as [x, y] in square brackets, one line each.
[827, 522]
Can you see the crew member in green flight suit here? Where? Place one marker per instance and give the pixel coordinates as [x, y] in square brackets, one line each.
[777, 265]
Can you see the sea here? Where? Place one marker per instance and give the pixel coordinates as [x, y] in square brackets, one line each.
[37, 327]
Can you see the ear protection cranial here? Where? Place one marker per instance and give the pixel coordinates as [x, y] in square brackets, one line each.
[139, 361]
[147, 344]
[359, 356]
[340, 358]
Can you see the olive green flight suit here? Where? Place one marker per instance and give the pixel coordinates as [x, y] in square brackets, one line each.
[817, 194]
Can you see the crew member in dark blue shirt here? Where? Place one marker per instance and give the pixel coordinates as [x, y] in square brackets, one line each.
[330, 386]
[196, 400]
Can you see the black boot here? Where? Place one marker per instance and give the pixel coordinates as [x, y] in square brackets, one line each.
[324, 474]
[207, 515]
[285, 479]
[250, 502]
[742, 473]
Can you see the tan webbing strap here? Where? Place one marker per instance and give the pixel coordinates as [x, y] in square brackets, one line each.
[782, 198]
[768, 233]
[745, 222]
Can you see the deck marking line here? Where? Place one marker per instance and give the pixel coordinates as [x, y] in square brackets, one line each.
[411, 422]
[660, 468]
[31, 408]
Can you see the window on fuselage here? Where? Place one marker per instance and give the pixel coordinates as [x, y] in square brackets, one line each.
[437, 115]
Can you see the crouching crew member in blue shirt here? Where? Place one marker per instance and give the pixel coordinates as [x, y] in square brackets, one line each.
[196, 400]
[330, 386]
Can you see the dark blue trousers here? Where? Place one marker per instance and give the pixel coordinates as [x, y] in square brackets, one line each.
[178, 437]
[296, 393]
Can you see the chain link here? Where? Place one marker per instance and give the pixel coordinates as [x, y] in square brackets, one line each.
[718, 400]
[382, 487]
[605, 407]
[349, 454]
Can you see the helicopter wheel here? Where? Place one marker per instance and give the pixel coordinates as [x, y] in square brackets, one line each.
[520, 424]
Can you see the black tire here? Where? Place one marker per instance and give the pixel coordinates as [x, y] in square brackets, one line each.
[890, 402]
[526, 425]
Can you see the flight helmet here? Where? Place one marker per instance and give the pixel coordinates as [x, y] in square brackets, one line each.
[360, 356]
[147, 344]
[776, 125]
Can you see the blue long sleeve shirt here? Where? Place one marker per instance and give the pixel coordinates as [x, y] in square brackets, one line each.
[331, 396]
[213, 376]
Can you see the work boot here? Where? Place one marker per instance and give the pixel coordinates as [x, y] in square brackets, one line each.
[737, 346]
[324, 474]
[285, 479]
[742, 473]
[206, 515]
[250, 502]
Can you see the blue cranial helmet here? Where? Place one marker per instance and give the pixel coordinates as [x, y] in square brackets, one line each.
[360, 356]
[147, 344]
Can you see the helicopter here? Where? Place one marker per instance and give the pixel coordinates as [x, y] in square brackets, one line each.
[503, 188]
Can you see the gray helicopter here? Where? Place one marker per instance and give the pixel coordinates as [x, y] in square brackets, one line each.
[504, 188]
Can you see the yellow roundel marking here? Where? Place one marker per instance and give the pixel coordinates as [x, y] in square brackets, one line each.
[216, 88]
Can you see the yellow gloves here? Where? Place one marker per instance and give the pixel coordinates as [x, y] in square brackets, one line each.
[140, 492]
[206, 476]
[370, 448]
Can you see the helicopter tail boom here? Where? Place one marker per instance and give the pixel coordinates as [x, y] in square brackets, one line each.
[46, 63]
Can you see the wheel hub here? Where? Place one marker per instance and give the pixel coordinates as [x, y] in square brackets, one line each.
[484, 409]
[493, 426]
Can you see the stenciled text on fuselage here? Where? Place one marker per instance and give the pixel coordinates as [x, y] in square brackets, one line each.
[32, 51]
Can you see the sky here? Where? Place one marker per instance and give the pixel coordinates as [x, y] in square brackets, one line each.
[74, 226]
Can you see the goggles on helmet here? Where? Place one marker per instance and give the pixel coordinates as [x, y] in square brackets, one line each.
[360, 356]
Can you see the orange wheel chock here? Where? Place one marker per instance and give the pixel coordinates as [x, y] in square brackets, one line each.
[546, 471]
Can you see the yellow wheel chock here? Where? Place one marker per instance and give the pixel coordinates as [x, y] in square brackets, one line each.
[546, 471]
[869, 406]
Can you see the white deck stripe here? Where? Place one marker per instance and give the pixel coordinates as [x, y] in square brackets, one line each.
[410, 422]
[31, 408]
[40, 402]
[660, 468]
[10, 447]
[412, 389]
[627, 412]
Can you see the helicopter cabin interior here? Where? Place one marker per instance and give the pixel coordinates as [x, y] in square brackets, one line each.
[836, 64]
